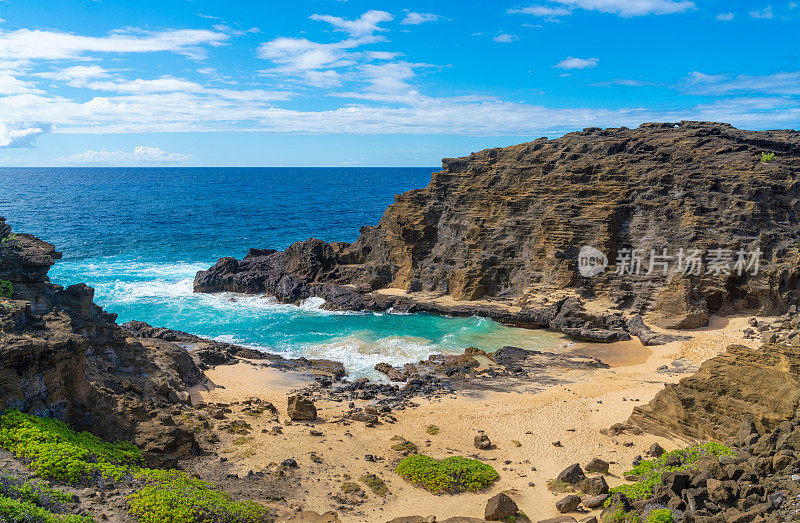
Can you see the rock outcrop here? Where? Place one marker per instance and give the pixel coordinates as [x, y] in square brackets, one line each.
[506, 225]
[62, 356]
[762, 385]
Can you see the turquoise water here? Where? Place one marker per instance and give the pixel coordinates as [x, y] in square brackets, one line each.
[138, 236]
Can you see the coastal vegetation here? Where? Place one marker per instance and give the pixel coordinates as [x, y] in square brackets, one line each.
[53, 450]
[6, 289]
[447, 476]
[650, 471]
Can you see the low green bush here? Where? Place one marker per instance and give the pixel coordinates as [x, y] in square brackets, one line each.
[6, 289]
[662, 515]
[16, 511]
[450, 475]
[33, 502]
[53, 450]
[767, 157]
[172, 496]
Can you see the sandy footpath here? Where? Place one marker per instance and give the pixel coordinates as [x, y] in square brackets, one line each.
[571, 413]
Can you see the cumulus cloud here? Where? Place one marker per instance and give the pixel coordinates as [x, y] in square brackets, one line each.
[571, 62]
[29, 44]
[763, 14]
[505, 38]
[725, 17]
[367, 24]
[141, 155]
[413, 18]
[20, 134]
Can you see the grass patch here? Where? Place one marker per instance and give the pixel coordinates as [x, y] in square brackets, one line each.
[651, 470]
[53, 450]
[556, 485]
[172, 496]
[350, 486]
[376, 484]
[6, 289]
[450, 475]
[403, 445]
[432, 430]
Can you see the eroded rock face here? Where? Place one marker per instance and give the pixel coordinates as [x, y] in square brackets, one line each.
[762, 385]
[507, 223]
[62, 356]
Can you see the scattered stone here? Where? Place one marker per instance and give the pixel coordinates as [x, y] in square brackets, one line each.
[597, 466]
[500, 507]
[572, 474]
[482, 442]
[568, 503]
[301, 408]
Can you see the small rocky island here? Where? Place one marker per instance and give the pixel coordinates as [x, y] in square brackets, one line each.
[695, 418]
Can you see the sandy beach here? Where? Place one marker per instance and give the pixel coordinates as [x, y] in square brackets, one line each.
[522, 426]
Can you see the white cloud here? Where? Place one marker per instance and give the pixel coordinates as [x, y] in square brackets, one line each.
[505, 38]
[76, 76]
[29, 44]
[363, 26]
[763, 14]
[725, 17]
[785, 84]
[629, 8]
[413, 18]
[542, 11]
[19, 134]
[140, 155]
[571, 62]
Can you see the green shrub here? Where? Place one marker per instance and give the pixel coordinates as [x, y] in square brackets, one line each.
[620, 516]
[767, 157]
[172, 496]
[16, 511]
[53, 450]
[432, 430]
[662, 515]
[6, 289]
[450, 475]
[650, 471]
[32, 501]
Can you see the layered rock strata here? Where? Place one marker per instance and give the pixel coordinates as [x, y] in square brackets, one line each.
[505, 226]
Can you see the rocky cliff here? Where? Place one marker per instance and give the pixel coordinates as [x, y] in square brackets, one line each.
[62, 356]
[507, 225]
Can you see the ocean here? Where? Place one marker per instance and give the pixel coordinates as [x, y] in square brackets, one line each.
[139, 235]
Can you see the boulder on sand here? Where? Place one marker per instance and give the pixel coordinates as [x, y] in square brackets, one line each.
[301, 408]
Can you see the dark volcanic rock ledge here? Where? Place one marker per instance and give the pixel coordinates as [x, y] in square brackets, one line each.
[505, 225]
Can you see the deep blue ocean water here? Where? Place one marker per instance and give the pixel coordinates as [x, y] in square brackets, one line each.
[139, 235]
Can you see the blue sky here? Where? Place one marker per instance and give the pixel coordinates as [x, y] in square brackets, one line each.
[364, 83]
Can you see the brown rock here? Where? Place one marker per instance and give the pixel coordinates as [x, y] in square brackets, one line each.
[568, 503]
[301, 408]
[500, 507]
[740, 383]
